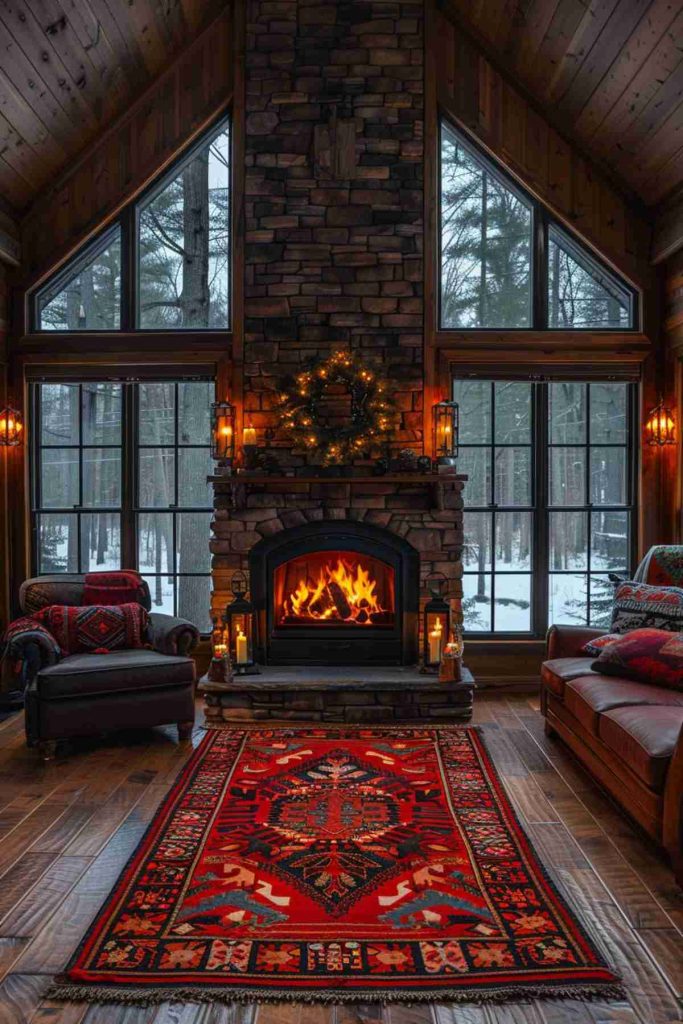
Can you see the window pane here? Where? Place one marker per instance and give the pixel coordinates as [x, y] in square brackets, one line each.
[609, 540]
[100, 541]
[513, 603]
[476, 602]
[513, 412]
[567, 403]
[580, 292]
[58, 414]
[476, 464]
[156, 413]
[513, 542]
[485, 244]
[477, 546]
[194, 465]
[101, 413]
[474, 400]
[193, 530]
[162, 591]
[101, 477]
[58, 543]
[184, 245]
[89, 297]
[602, 597]
[157, 477]
[567, 476]
[513, 476]
[568, 598]
[155, 542]
[194, 600]
[59, 478]
[608, 476]
[608, 413]
[194, 412]
[568, 541]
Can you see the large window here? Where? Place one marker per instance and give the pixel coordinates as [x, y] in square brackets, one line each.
[164, 265]
[506, 264]
[549, 501]
[120, 480]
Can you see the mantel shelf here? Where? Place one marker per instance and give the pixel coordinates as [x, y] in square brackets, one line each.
[388, 478]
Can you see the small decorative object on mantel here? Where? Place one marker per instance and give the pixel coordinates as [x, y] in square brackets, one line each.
[370, 421]
[11, 427]
[424, 464]
[406, 461]
[223, 436]
[660, 428]
[446, 422]
[436, 622]
[239, 620]
[249, 447]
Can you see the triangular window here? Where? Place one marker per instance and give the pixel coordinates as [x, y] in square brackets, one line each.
[581, 293]
[87, 295]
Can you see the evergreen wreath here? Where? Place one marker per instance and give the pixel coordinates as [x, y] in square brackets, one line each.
[372, 411]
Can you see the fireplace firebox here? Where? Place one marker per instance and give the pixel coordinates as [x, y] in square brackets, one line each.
[335, 593]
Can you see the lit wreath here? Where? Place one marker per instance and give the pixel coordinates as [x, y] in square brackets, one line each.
[371, 409]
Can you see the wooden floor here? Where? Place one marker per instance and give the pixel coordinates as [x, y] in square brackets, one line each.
[66, 831]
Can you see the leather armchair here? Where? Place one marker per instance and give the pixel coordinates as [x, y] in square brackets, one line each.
[81, 694]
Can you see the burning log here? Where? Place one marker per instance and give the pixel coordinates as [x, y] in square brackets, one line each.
[340, 603]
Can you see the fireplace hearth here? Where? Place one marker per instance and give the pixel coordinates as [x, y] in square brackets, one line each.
[332, 592]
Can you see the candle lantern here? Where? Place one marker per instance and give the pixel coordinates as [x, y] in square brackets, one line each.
[223, 432]
[11, 427]
[239, 620]
[436, 622]
[660, 428]
[446, 421]
[219, 667]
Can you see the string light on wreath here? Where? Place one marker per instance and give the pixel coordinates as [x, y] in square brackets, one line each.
[372, 410]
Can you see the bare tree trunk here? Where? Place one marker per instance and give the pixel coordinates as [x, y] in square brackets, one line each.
[194, 300]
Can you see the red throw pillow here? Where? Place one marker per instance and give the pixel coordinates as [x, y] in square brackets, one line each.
[96, 629]
[647, 655]
[595, 646]
[118, 587]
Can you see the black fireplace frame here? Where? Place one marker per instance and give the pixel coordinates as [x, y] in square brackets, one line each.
[336, 645]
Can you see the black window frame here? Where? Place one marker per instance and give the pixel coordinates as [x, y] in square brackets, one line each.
[541, 508]
[127, 222]
[542, 220]
[130, 508]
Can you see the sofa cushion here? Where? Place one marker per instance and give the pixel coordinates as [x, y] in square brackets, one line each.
[596, 645]
[644, 738]
[100, 628]
[95, 674]
[590, 696]
[640, 606]
[557, 671]
[653, 656]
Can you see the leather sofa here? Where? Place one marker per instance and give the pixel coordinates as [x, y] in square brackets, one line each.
[627, 734]
[83, 694]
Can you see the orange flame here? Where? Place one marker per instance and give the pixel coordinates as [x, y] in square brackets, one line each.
[343, 592]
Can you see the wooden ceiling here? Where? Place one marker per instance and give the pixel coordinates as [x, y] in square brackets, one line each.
[608, 73]
[68, 68]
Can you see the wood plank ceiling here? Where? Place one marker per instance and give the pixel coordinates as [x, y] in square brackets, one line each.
[68, 68]
[609, 73]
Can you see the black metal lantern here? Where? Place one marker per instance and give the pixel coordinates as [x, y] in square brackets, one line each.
[223, 432]
[239, 620]
[436, 622]
[446, 421]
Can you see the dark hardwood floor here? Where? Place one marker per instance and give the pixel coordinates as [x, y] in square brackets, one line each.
[67, 829]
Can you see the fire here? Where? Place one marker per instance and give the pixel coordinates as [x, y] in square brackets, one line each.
[341, 593]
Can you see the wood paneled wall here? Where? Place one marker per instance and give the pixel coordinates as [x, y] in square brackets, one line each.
[4, 457]
[148, 136]
[472, 91]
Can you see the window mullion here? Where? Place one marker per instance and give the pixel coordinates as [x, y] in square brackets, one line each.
[541, 522]
[129, 477]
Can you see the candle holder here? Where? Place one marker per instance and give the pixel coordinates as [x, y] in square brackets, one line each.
[223, 435]
[450, 670]
[249, 447]
[436, 623]
[239, 621]
[446, 422]
[220, 670]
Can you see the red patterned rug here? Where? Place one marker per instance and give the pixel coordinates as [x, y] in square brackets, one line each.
[315, 864]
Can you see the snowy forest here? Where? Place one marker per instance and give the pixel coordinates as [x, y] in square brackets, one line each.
[486, 265]
[586, 486]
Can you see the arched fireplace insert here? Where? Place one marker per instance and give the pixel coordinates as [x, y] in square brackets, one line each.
[335, 592]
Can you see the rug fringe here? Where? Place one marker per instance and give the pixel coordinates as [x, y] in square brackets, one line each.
[67, 992]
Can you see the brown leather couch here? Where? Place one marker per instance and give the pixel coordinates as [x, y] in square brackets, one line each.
[628, 735]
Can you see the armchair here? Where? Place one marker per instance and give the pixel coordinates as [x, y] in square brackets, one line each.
[81, 694]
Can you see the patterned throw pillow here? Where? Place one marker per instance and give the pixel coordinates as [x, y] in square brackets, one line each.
[641, 606]
[598, 643]
[95, 628]
[649, 655]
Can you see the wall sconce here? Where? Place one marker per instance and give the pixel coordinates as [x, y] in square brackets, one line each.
[446, 421]
[660, 426]
[11, 427]
[223, 431]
